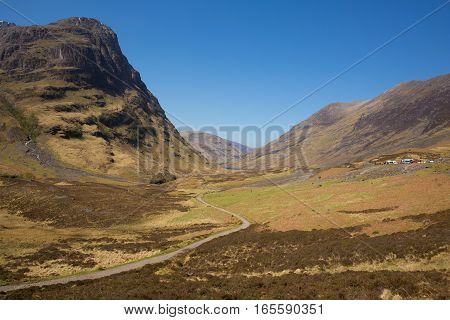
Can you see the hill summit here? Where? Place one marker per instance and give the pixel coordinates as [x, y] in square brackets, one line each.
[68, 86]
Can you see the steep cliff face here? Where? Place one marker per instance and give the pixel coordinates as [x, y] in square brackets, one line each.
[91, 107]
[78, 50]
[415, 114]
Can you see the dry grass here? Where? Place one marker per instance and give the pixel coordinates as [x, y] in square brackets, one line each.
[331, 172]
[440, 262]
[282, 208]
[115, 152]
[265, 261]
[89, 153]
[262, 264]
[48, 230]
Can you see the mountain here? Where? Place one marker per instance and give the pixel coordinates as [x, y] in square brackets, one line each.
[67, 88]
[414, 114]
[215, 148]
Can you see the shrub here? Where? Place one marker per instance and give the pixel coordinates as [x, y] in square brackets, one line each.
[28, 124]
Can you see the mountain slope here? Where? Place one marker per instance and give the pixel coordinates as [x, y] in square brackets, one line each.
[215, 148]
[412, 114]
[88, 105]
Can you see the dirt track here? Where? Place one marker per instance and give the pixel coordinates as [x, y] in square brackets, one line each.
[134, 265]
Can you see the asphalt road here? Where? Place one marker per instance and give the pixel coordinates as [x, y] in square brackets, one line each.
[134, 265]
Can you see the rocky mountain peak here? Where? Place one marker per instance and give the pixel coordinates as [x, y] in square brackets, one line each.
[91, 24]
[82, 44]
[4, 24]
[79, 21]
[72, 76]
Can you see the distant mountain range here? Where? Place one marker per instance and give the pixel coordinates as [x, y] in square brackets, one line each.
[215, 148]
[68, 95]
[414, 114]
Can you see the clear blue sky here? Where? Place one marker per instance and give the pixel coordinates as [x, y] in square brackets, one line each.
[242, 62]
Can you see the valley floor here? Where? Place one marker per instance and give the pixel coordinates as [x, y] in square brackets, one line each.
[52, 229]
[368, 233]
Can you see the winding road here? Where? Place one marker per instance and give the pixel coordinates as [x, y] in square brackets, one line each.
[138, 264]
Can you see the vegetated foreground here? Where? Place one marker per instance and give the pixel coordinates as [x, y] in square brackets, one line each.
[375, 232]
[83, 144]
[50, 229]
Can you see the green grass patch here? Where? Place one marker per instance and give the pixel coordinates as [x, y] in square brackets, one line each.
[28, 124]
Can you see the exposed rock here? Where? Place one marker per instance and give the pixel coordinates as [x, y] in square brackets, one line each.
[66, 131]
[69, 132]
[75, 107]
[4, 24]
[75, 65]
[162, 177]
[90, 120]
[116, 119]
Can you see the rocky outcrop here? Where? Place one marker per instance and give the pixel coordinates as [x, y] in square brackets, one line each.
[73, 76]
[78, 50]
[4, 24]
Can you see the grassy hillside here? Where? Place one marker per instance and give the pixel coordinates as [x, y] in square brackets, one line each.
[72, 91]
[415, 114]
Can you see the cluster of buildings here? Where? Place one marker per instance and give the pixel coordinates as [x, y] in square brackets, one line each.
[407, 161]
